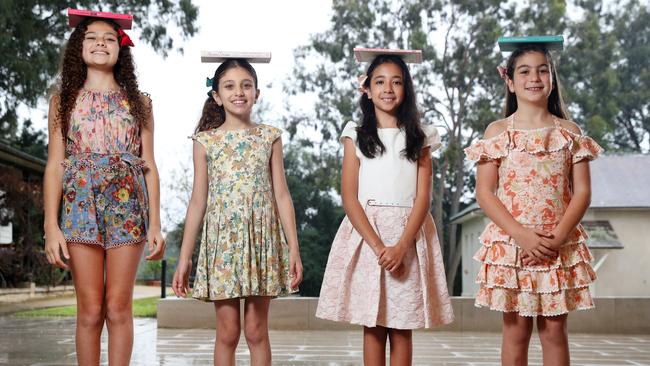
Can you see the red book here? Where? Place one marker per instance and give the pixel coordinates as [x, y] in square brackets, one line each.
[75, 16]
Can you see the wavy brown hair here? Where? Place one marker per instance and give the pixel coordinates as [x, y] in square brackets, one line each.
[74, 71]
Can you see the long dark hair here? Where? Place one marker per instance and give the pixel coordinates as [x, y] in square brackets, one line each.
[408, 117]
[555, 101]
[214, 115]
[74, 72]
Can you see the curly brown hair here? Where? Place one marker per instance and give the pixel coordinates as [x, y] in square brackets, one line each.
[74, 71]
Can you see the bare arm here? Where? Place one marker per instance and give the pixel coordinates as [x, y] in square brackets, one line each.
[422, 202]
[151, 177]
[193, 220]
[350, 194]
[580, 198]
[286, 211]
[53, 189]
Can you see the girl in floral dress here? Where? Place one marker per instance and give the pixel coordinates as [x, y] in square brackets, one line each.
[533, 183]
[385, 269]
[102, 176]
[249, 246]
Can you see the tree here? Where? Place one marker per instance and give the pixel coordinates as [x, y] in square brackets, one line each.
[632, 32]
[21, 205]
[35, 31]
[458, 87]
[310, 178]
[453, 83]
[608, 73]
[32, 40]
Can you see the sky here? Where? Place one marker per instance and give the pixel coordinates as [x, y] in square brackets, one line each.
[177, 83]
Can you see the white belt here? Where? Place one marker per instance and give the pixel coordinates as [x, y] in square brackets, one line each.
[373, 202]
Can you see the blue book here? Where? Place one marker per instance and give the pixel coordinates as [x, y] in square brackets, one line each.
[509, 44]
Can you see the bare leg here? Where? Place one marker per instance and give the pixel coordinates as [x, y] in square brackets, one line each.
[516, 339]
[87, 265]
[554, 337]
[121, 268]
[228, 329]
[401, 346]
[256, 329]
[374, 346]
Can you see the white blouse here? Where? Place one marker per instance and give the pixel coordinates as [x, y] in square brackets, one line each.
[389, 178]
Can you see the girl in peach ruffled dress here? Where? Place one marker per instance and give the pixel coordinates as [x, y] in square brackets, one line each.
[533, 183]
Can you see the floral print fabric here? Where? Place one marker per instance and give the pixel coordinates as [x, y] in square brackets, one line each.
[104, 198]
[101, 123]
[534, 185]
[243, 249]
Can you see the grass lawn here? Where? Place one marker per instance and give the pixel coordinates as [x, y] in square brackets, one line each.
[142, 308]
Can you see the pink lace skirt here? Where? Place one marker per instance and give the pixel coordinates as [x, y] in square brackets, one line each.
[357, 290]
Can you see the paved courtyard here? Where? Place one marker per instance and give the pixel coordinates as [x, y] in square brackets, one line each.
[50, 341]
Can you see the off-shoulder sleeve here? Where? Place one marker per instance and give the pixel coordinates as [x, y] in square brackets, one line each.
[201, 138]
[585, 148]
[492, 149]
[432, 137]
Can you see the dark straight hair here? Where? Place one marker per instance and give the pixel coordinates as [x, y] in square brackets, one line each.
[555, 101]
[214, 115]
[408, 117]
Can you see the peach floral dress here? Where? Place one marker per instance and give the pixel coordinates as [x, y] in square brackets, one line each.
[534, 185]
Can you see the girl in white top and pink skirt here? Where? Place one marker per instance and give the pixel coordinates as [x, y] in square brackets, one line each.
[385, 268]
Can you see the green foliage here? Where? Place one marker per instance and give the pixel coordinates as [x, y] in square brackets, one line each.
[145, 308]
[455, 84]
[142, 308]
[310, 179]
[34, 32]
[608, 74]
[59, 311]
[21, 202]
[151, 270]
[604, 69]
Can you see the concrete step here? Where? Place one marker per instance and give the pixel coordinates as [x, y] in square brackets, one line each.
[612, 315]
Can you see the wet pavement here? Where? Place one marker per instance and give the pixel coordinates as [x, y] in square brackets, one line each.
[50, 341]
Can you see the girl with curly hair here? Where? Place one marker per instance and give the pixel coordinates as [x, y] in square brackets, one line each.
[102, 178]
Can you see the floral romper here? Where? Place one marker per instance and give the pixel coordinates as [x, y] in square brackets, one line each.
[534, 185]
[104, 192]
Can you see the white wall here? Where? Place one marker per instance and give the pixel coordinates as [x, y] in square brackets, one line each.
[625, 272]
[472, 229]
